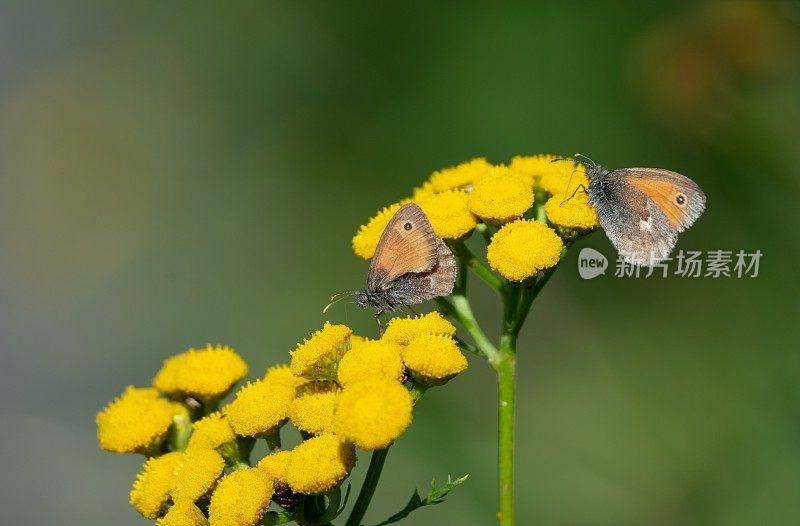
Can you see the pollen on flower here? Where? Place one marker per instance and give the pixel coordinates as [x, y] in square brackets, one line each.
[319, 464]
[448, 213]
[316, 358]
[134, 422]
[522, 248]
[564, 177]
[183, 513]
[366, 239]
[151, 489]
[403, 330]
[532, 167]
[371, 359]
[572, 211]
[211, 432]
[282, 374]
[275, 465]
[206, 374]
[433, 357]
[312, 410]
[373, 413]
[501, 196]
[259, 407]
[241, 498]
[459, 177]
[196, 474]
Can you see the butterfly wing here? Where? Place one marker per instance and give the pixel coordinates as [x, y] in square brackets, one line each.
[634, 223]
[408, 245]
[677, 196]
[410, 289]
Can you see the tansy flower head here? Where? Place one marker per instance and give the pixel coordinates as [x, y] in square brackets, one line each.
[241, 498]
[151, 489]
[282, 374]
[259, 407]
[211, 432]
[531, 167]
[448, 213]
[312, 410]
[366, 239]
[522, 248]
[563, 177]
[433, 358]
[275, 465]
[196, 474]
[460, 176]
[403, 330]
[373, 413]
[183, 513]
[136, 422]
[317, 357]
[501, 195]
[571, 212]
[319, 464]
[206, 374]
[371, 359]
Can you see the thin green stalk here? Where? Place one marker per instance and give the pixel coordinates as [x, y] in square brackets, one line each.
[461, 310]
[273, 518]
[506, 382]
[368, 488]
[466, 256]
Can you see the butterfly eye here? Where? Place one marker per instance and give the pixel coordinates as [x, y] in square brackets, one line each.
[680, 199]
[407, 226]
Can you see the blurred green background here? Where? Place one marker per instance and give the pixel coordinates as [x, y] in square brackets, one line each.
[177, 174]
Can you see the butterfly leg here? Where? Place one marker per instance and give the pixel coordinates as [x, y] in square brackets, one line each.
[378, 321]
[580, 186]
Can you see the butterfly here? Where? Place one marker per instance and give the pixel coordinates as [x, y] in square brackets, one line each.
[642, 210]
[411, 264]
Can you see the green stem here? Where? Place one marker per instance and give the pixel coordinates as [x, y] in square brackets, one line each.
[273, 518]
[461, 310]
[505, 411]
[465, 255]
[368, 488]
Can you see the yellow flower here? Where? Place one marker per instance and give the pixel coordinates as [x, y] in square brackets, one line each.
[531, 167]
[135, 422]
[151, 489]
[459, 177]
[403, 330]
[432, 358]
[522, 248]
[259, 407]
[448, 213]
[373, 413]
[211, 432]
[206, 374]
[282, 374]
[371, 359]
[275, 465]
[241, 498]
[183, 513]
[571, 212]
[198, 471]
[501, 196]
[316, 358]
[319, 464]
[563, 177]
[366, 239]
[312, 410]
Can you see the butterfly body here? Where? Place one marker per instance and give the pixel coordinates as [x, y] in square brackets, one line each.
[642, 210]
[411, 264]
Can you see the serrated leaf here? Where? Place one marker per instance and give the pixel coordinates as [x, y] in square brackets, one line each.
[435, 496]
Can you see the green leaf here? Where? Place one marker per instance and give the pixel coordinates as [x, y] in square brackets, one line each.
[435, 496]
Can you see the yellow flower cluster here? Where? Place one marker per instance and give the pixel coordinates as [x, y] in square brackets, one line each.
[459, 198]
[341, 391]
[522, 248]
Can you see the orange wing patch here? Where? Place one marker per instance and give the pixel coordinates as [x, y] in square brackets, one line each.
[408, 245]
[665, 194]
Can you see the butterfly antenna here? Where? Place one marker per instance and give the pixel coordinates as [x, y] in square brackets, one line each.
[579, 156]
[336, 298]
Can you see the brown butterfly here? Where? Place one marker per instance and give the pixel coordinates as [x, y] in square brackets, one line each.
[642, 210]
[411, 264]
